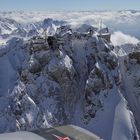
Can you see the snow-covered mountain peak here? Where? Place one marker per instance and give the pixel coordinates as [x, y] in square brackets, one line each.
[60, 73]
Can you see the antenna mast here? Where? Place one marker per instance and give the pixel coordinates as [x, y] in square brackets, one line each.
[100, 24]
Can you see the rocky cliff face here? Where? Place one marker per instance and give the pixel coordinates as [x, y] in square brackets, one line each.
[77, 82]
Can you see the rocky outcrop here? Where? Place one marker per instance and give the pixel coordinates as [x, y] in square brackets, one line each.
[104, 75]
[135, 55]
[44, 94]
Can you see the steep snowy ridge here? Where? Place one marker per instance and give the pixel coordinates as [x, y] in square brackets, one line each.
[129, 67]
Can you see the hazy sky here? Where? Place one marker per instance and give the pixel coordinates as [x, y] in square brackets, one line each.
[44, 5]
